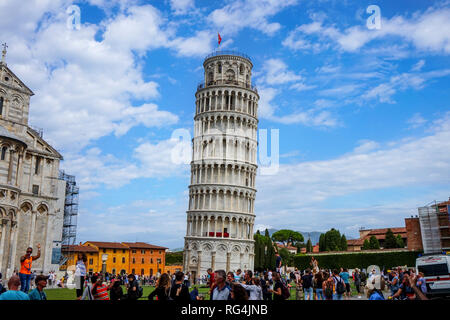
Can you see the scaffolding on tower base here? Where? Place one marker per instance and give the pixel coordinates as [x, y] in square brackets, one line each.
[435, 227]
[70, 215]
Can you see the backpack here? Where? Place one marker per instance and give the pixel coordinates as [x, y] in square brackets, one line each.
[340, 287]
[285, 291]
[328, 289]
[139, 291]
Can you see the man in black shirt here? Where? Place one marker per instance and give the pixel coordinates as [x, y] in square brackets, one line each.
[278, 262]
[179, 292]
[307, 284]
[132, 288]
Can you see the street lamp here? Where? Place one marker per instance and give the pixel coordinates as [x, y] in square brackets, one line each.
[104, 258]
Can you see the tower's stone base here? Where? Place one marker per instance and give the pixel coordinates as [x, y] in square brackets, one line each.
[200, 254]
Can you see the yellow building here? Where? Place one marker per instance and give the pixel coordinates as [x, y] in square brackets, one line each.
[126, 257]
[72, 251]
[117, 260]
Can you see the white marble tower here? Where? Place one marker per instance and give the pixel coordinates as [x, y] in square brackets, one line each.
[220, 217]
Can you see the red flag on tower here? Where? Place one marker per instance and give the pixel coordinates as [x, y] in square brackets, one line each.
[219, 38]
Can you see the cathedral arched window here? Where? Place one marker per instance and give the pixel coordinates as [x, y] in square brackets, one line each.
[3, 156]
[241, 69]
[219, 68]
[1, 105]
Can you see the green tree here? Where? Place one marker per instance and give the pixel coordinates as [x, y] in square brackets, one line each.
[332, 240]
[400, 242]
[309, 247]
[258, 245]
[269, 252]
[286, 237]
[343, 243]
[366, 245]
[390, 240]
[374, 244]
[287, 258]
[322, 245]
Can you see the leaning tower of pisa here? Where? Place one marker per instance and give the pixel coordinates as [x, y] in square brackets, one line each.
[220, 217]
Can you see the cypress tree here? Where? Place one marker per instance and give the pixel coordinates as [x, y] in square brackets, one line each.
[343, 243]
[390, 241]
[399, 241]
[322, 244]
[374, 244]
[309, 246]
[366, 245]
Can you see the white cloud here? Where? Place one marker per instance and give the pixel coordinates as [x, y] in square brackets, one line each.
[418, 66]
[384, 91]
[182, 6]
[420, 161]
[425, 30]
[366, 146]
[276, 72]
[249, 14]
[309, 117]
[416, 121]
[94, 169]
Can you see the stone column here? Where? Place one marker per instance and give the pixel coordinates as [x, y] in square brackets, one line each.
[188, 259]
[33, 226]
[201, 226]
[13, 244]
[199, 262]
[210, 200]
[228, 261]
[4, 223]
[213, 260]
[19, 165]
[251, 261]
[187, 227]
[208, 221]
[10, 168]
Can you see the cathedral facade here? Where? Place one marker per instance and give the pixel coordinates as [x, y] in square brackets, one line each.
[220, 217]
[31, 195]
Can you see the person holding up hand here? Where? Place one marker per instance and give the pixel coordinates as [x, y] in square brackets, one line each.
[25, 268]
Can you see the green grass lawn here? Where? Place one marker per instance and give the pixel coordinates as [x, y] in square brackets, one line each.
[70, 294]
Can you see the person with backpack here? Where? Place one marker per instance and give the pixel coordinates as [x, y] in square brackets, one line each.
[307, 282]
[178, 291]
[345, 276]
[134, 291]
[280, 290]
[328, 286]
[339, 285]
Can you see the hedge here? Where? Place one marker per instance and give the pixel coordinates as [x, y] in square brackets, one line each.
[359, 260]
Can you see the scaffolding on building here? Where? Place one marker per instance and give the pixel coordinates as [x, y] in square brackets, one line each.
[430, 228]
[70, 214]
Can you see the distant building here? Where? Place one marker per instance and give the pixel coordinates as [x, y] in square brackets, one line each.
[316, 248]
[428, 232]
[435, 227]
[289, 248]
[123, 257]
[380, 234]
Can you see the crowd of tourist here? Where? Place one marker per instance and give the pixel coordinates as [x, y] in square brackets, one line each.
[310, 284]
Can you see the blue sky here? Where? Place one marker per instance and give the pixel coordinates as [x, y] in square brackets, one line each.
[363, 114]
